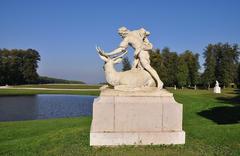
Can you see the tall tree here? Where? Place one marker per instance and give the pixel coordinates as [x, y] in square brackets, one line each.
[210, 65]
[238, 75]
[126, 64]
[221, 62]
[18, 66]
[157, 63]
[228, 64]
[169, 60]
[192, 62]
[30, 66]
[182, 71]
[1, 67]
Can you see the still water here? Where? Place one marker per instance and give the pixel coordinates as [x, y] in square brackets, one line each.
[16, 108]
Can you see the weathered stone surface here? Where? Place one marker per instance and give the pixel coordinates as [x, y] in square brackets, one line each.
[125, 118]
[137, 114]
[144, 92]
[172, 117]
[103, 111]
[137, 138]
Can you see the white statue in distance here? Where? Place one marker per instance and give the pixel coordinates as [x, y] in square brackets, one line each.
[217, 89]
[141, 74]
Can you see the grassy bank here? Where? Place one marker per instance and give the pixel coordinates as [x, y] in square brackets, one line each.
[31, 89]
[211, 122]
[18, 92]
[60, 86]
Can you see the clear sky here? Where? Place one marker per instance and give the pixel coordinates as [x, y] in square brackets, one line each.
[65, 32]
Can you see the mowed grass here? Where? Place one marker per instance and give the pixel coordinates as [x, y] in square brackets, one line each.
[60, 86]
[211, 122]
[19, 92]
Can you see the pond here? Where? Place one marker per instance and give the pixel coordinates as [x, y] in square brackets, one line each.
[44, 106]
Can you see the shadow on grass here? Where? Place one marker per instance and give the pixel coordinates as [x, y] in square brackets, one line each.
[225, 114]
[222, 115]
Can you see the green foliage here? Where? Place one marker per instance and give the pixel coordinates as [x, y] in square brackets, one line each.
[126, 64]
[59, 86]
[20, 92]
[210, 65]
[182, 71]
[18, 66]
[238, 72]
[157, 64]
[174, 69]
[170, 62]
[221, 61]
[193, 66]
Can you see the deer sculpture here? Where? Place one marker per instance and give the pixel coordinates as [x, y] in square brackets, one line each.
[134, 78]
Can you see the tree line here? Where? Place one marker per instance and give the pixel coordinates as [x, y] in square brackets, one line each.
[221, 63]
[176, 69]
[46, 80]
[18, 66]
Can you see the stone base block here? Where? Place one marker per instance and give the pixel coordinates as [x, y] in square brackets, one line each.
[138, 138]
[136, 118]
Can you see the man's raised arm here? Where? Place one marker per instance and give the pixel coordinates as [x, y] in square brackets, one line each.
[116, 51]
[122, 48]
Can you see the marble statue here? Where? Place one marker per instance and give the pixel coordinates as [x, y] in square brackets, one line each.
[217, 89]
[133, 109]
[131, 79]
[138, 40]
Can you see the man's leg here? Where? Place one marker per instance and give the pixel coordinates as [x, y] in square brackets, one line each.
[135, 63]
[154, 75]
[145, 62]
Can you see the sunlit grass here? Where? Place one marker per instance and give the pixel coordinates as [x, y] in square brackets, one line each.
[60, 86]
[19, 92]
[208, 131]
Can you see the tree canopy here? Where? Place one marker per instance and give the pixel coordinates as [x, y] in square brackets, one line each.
[18, 66]
[126, 64]
[221, 63]
[174, 69]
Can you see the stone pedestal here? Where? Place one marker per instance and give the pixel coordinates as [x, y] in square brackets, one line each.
[217, 90]
[136, 118]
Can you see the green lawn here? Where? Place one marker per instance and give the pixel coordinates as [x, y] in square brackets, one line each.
[19, 92]
[211, 122]
[60, 86]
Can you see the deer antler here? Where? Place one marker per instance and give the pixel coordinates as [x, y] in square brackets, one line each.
[101, 52]
[124, 53]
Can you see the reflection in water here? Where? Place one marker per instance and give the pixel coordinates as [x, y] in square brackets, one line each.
[18, 108]
[15, 108]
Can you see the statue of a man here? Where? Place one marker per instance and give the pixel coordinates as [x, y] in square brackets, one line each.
[138, 40]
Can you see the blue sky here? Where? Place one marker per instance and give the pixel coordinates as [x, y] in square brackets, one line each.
[65, 32]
